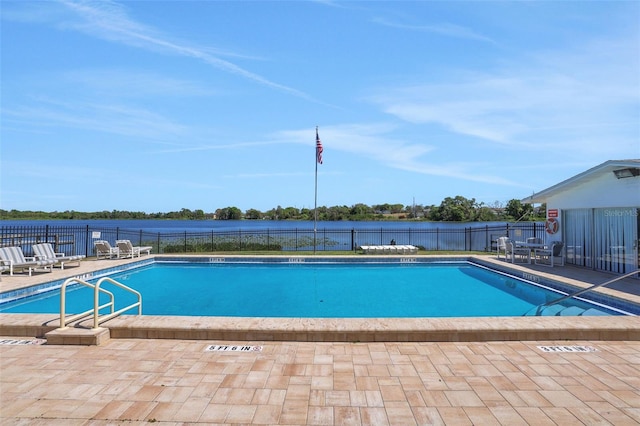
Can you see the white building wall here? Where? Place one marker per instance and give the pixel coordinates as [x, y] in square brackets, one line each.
[603, 191]
[602, 214]
[600, 192]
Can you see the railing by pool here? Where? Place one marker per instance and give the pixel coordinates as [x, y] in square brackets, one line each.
[584, 290]
[79, 239]
[95, 310]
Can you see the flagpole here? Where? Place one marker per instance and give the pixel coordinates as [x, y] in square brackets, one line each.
[315, 204]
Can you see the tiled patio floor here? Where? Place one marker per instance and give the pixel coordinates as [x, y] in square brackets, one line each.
[176, 382]
[165, 381]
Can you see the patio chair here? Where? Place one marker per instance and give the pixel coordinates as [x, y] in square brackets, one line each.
[548, 256]
[45, 251]
[127, 249]
[14, 258]
[104, 249]
[513, 252]
[501, 246]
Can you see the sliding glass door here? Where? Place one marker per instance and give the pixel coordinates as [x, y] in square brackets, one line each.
[603, 239]
[578, 235]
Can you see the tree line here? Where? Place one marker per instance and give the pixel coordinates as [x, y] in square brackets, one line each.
[456, 209]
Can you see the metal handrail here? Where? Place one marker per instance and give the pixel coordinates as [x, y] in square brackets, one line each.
[95, 311]
[584, 290]
[63, 302]
[118, 312]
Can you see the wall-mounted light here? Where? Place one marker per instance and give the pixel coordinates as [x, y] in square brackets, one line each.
[627, 173]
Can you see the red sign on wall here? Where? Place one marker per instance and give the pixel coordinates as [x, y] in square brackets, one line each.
[552, 213]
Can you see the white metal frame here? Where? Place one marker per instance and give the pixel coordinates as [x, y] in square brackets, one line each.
[95, 311]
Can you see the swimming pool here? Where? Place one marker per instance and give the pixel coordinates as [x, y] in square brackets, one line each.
[319, 290]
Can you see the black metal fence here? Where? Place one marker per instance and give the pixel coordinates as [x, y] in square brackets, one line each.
[79, 239]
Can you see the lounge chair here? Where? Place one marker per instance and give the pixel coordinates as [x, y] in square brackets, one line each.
[548, 256]
[407, 249]
[372, 249]
[127, 249]
[14, 258]
[2, 269]
[389, 249]
[45, 251]
[104, 249]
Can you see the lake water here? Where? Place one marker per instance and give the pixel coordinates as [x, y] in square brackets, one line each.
[284, 235]
[169, 226]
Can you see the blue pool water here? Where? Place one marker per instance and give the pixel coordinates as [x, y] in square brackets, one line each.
[313, 290]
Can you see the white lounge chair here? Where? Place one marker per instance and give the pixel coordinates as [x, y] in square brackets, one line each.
[45, 251]
[104, 249]
[126, 249]
[14, 258]
[389, 249]
[548, 256]
[407, 249]
[2, 269]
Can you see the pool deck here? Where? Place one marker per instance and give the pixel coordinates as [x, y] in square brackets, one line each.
[469, 374]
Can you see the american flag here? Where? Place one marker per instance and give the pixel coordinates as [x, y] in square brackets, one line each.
[318, 148]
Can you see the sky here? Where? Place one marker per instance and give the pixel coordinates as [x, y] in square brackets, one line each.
[156, 106]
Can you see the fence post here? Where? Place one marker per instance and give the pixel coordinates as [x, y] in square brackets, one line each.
[465, 238]
[158, 243]
[86, 242]
[185, 241]
[353, 239]
[487, 242]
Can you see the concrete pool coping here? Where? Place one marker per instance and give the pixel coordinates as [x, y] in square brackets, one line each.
[350, 329]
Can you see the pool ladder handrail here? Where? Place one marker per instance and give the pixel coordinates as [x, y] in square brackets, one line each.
[584, 290]
[95, 311]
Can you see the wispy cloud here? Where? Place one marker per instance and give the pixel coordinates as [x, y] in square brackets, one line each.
[570, 100]
[223, 146]
[105, 118]
[372, 141]
[111, 101]
[98, 174]
[444, 29]
[109, 21]
[265, 175]
[131, 83]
